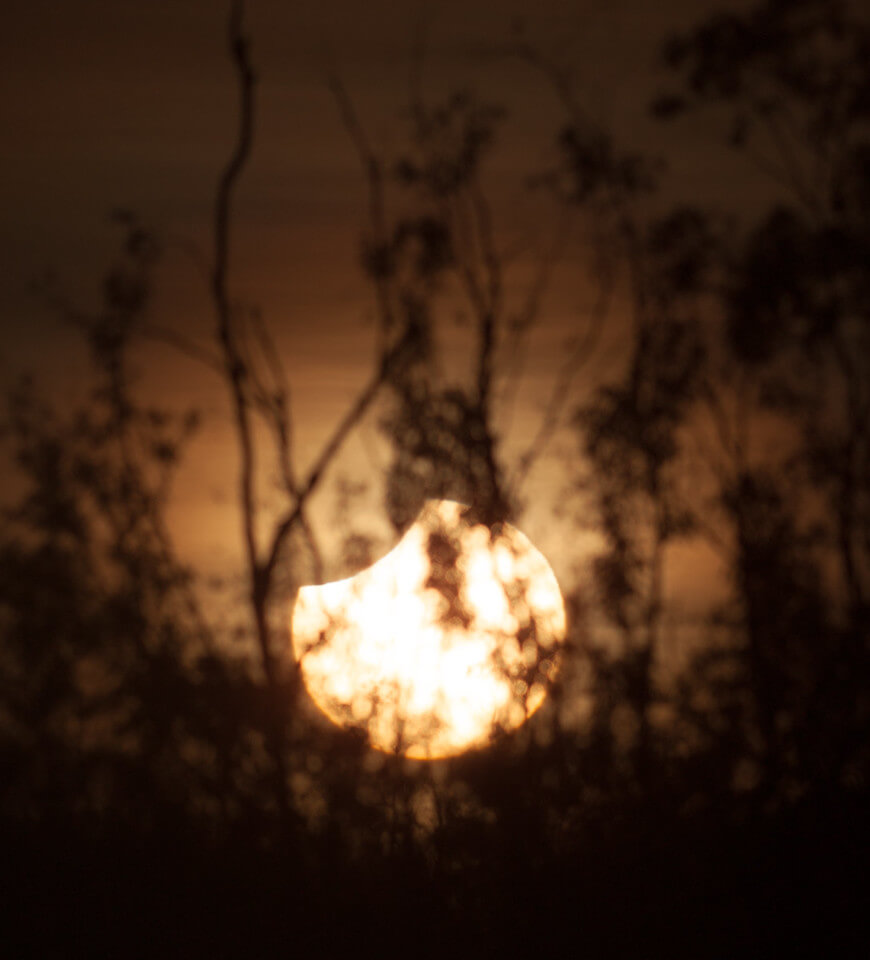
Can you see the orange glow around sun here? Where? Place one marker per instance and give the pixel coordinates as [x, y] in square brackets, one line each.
[450, 637]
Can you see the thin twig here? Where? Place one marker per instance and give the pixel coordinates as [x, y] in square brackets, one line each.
[330, 449]
[234, 366]
[373, 173]
[577, 358]
[184, 345]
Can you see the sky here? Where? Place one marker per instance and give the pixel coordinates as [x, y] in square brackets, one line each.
[119, 103]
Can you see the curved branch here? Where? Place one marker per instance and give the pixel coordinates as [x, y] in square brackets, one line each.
[233, 362]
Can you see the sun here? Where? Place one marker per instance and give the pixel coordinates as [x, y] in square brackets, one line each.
[450, 637]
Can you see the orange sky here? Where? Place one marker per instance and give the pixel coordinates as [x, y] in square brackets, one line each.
[118, 103]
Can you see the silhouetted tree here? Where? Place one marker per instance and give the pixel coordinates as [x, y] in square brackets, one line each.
[669, 813]
[793, 79]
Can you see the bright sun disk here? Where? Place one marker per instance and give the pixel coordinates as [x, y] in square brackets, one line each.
[430, 660]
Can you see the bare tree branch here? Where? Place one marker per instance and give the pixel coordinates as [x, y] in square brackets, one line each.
[234, 366]
[351, 418]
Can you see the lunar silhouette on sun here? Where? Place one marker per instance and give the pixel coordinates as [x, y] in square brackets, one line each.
[452, 636]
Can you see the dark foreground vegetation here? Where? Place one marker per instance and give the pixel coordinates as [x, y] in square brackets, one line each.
[167, 788]
[642, 882]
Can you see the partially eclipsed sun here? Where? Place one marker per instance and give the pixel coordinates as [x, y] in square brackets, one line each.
[450, 637]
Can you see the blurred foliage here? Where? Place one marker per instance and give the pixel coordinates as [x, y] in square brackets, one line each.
[702, 810]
